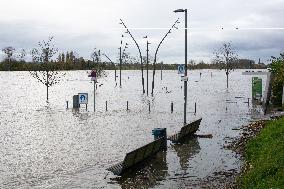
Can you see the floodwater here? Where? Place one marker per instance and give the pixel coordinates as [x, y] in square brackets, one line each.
[45, 145]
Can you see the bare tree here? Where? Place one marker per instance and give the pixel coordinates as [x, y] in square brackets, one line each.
[226, 57]
[96, 56]
[9, 51]
[47, 73]
[22, 55]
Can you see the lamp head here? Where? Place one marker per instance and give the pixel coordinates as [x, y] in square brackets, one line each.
[179, 10]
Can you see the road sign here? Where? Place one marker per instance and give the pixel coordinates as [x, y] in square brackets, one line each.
[181, 69]
[184, 78]
[83, 98]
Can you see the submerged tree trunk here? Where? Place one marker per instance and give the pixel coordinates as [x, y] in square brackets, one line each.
[227, 80]
[47, 86]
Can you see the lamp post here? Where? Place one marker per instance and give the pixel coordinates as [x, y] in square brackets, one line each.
[185, 62]
[147, 65]
[155, 57]
[127, 31]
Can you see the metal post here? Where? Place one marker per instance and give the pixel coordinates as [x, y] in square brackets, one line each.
[120, 62]
[115, 74]
[127, 105]
[94, 96]
[195, 108]
[248, 101]
[185, 73]
[147, 63]
[106, 105]
[172, 107]
[86, 107]
[66, 104]
[149, 107]
[161, 70]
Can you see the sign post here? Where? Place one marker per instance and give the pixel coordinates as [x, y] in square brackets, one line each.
[94, 78]
[181, 69]
[83, 98]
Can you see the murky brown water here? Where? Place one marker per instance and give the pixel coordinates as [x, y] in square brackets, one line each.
[46, 146]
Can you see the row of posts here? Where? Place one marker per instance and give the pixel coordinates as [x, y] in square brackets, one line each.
[77, 105]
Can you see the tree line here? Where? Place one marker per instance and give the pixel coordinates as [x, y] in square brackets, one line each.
[71, 61]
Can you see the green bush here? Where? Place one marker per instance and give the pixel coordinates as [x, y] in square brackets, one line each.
[277, 69]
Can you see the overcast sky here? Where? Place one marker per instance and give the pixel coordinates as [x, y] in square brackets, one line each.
[84, 25]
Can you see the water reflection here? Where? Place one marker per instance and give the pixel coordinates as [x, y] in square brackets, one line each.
[147, 174]
[186, 150]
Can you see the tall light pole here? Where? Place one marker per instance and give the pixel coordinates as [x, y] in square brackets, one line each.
[155, 57]
[142, 72]
[185, 62]
[147, 65]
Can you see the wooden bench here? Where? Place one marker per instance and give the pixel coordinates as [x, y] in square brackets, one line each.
[137, 156]
[187, 130]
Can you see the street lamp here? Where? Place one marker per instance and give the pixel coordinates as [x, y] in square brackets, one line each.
[127, 31]
[185, 62]
[155, 57]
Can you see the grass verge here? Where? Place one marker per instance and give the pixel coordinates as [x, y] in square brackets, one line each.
[264, 157]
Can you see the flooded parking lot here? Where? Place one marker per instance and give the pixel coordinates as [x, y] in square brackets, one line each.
[45, 145]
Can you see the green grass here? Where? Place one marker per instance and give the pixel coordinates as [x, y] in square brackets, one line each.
[265, 157]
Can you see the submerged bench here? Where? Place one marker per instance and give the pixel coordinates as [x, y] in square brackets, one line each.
[187, 130]
[137, 156]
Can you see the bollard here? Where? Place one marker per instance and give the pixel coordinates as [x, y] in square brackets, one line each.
[67, 104]
[248, 101]
[195, 108]
[172, 107]
[161, 133]
[127, 105]
[106, 105]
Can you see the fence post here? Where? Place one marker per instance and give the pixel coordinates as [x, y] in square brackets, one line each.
[67, 104]
[248, 101]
